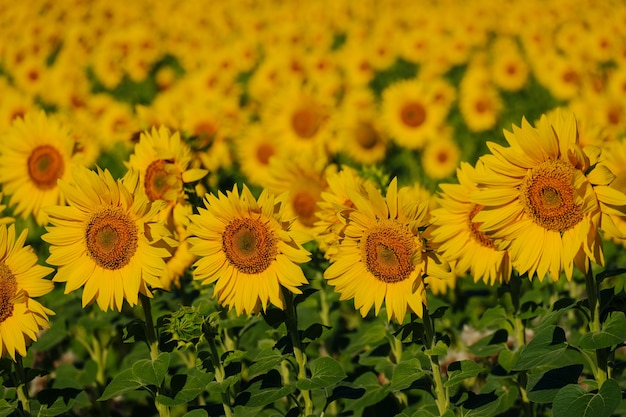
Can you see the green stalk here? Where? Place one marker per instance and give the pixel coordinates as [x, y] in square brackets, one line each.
[220, 375]
[595, 326]
[519, 331]
[441, 393]
[298, 352]
[21, 385]
[153, 344]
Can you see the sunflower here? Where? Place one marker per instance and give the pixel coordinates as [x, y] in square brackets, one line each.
[246, 247]
[360, 135]
[103, 239]
[479, 100]
[440, 157]
[37, 151]
[21, 317]
[382, 256]
[253, 149]
[458, 237]
[412, 112]
[300, 118]
[335, 204]
[303, 177]
[162, 160]
[545, 199]
[614, 157]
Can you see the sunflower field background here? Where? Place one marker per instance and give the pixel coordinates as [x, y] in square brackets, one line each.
[335, 208]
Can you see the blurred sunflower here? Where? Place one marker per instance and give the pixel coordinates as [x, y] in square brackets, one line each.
[440, 157]
[303, 177]
[412, 113]
[545, 199]
[103, 240]
[479, 100]
[37, 151]
[509, 70]
[163, 161]
[335, 205]
[360, 134]
[253, 149]
[246, 247]
[300, 118]
[458, 237]
[21, 279]
[381, 256]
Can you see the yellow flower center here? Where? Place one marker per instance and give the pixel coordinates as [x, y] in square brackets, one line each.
[476, 234]
[249, 245]
[159, 179]
[306, 122]
[388, 250]
[45, 166]
[8, 289]
[366, 136]
[413, 114]
[547, 195]
[112, 238]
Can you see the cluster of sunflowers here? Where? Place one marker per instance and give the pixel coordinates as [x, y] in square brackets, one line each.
[148, 144]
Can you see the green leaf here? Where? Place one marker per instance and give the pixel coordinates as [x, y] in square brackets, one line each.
[261, 397]
[265, 360]
[374, 392]
[58, 401]
[263, 390]
[459, 371]
[574, 401]
[6, 408]
[405, 373]
[123, 382]
[490, 345]
[150, 372]
[185, 387]
[325, 371]
[493, 318]
[545, 348]
[197, 413]
[440, 349]
[507, 359]
[613, 333]
[542, 387]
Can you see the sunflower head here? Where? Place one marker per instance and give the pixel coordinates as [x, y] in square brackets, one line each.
[247, 248]
[21, 280]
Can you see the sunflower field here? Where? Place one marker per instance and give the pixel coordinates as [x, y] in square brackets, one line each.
[263, 208]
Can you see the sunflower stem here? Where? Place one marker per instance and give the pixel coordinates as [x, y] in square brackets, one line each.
[298, 352]
[220, 375]
[21, 385]
[595, 325]
[441, 394]
[153, 344]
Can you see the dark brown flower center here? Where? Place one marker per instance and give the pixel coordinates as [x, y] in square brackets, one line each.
[159, 179]
[388, 250]
[477, 235]
[8, 289]
[366, 136]
[413, 114]
[304, 203]
[306, 122]
[45, 166]
[547, 195]
[249, 245]
[112, 238]
[264, 152]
